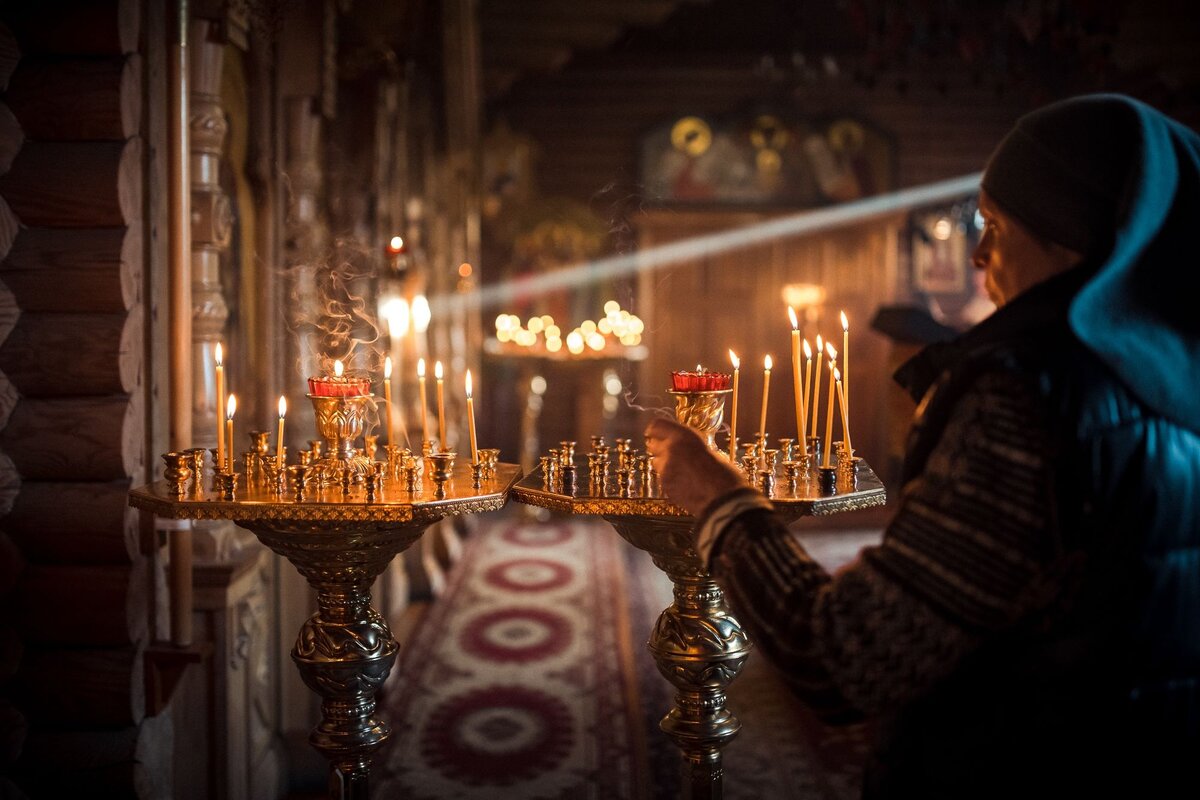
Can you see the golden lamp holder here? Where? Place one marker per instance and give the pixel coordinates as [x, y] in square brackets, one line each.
[703, 411]
[341, 421]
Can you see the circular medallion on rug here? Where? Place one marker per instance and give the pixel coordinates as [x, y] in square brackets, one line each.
[497, 735]
[528, 575]
[537, 535]
[516, 635]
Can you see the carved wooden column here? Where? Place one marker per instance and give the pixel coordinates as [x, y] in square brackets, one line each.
[232, 575]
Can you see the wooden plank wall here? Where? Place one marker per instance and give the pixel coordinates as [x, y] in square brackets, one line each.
[73, 417]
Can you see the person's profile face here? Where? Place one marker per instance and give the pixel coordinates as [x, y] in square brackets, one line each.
[1011, 258]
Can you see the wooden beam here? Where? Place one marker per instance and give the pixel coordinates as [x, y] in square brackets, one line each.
[76, 184]
[74, 99]
[80, 439]
[73, 523]
[92, 687]
[113, 616]
[68, 355]
[622, 12]
[83, 270]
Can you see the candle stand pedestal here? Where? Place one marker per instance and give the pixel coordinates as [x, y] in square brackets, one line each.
[340, 541]
[697, 644]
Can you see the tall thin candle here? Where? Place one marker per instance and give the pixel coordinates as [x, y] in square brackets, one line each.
[797, 383]
[471, 421]
[762, 421]
[816, 390]
[808, 376]
[846, 357]
[733, 411]
[387, 395]
[230, 408]
[829, 404]
[424, 404]
[220, 465]
[279, 437]
[441, 404]
[845, 420]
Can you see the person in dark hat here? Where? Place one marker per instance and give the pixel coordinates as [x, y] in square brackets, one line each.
[1030, 624]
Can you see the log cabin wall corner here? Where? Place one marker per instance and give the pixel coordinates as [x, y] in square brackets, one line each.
[75, 428]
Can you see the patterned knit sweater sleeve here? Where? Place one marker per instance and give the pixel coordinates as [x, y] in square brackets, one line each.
[967, 554]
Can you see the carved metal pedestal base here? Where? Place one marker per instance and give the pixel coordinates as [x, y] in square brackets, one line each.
[697, 645]
[345, 651]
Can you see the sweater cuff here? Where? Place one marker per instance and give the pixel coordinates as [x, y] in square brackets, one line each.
[721, 512]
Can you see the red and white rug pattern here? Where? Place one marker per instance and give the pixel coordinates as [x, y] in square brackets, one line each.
[519, 682]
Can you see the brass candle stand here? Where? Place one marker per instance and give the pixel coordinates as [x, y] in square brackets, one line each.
[697, 644]
[340, 535]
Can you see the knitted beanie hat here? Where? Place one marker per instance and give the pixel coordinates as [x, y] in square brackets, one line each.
[1064, 170]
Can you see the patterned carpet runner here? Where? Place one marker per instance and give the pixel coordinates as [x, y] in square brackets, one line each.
[529, 678]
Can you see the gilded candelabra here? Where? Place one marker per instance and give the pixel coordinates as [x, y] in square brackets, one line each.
[697, 644]
[702, 411]
[340, 520]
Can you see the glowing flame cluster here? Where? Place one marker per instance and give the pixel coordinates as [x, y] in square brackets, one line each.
[617, 324]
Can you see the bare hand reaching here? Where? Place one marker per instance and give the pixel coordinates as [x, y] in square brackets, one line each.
[692, 475]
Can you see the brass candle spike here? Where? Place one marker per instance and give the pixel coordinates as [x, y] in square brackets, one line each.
[227, 485]
[477, 474]
[299, 473]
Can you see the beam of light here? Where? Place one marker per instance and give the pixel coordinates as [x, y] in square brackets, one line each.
[654, 258]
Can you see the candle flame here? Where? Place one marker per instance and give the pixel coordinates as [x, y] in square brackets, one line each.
[387, 368]
[282, 406]
[767, 363]
[437, 370]
[845, 322]
[468, 384]
[231, 406]
[338, 368]
[832, 351]
[735, 360]
[820, 347]
[792, 317]
[807, 349]
[837, 374]
[218, 354]
[421, 368]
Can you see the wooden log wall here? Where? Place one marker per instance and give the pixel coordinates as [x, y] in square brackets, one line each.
[71, 259]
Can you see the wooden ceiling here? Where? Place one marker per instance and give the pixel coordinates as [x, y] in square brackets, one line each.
[528, 38]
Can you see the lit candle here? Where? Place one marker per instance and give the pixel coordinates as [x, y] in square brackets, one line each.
[846, 356]
[230, 407]
[807, 383]
[338, 368]
[733, 411]
[762, 422]
[471, 421]
[424, 411]
[837, 376]
[829, 404]
[441, 403]
[387, 395]
[816, 389]
[220, 411]
[279, 438]
[797, 385]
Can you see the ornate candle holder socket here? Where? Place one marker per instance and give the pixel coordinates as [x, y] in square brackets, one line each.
[227, 485]
[314, 446]
[250, 466]
[567, 472]
[749, 464]
[623, 482]
[702, 411]
[814, 445]
[196, 463]
[346, 477]
[443, 463]
[477, 474]
[217, 467]
[489, 457]
[597, 441]
[827, 480]
[299, 473]
[374, 483]
[178, 472]
[847, 472]
[770, 459]
[766, 482]
[370, 445]
[394, 457]
[412, 477]
[259, 443]
[785, 449]
[568, 451]
[791, 473]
